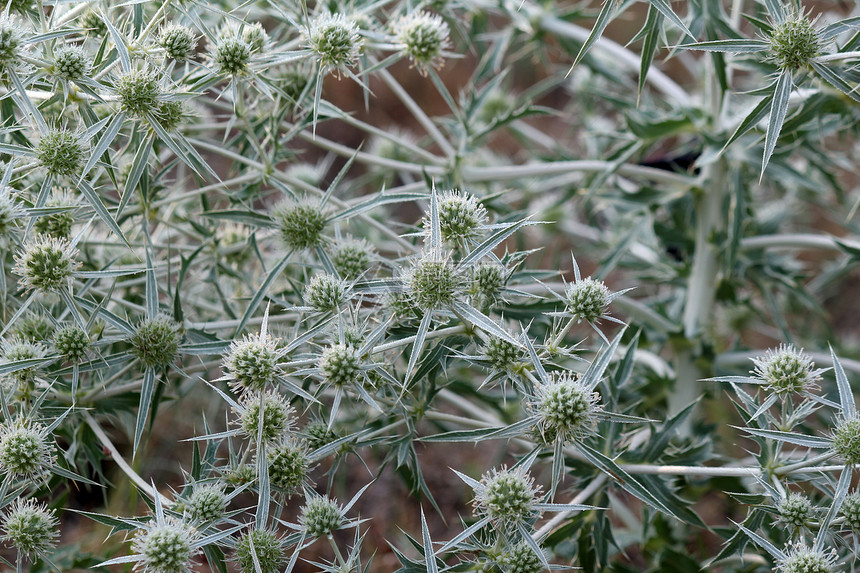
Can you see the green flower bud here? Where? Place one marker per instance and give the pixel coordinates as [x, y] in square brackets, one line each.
[794, 41]
[93, 23]
[71, 342]
[302, 223]
[252, 363]
[288, 465]
[325, 293]
[139, 93]
[502, 355]
[795, 510]
[232, 55]
[11, 41]
[30, 527]
[352, 257]
[207, 503]
[565, 408]
[46, 263]
[340, 365]
[461, 217]
[320, 516]
[587, 299]
[846, 440]
[521, 558]
[423, 37]
[178, 41]
[786, 370]
[507, 497]
[156, 341]
[165, 547]
[268, 549]
[25, 448]
[801, 559]
[61, 153]
[850, 510]
[335, 41]
[71, 63]
[433, 283]
[278, 415]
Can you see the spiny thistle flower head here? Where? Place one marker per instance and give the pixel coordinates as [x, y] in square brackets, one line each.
[318, 434]
[30, 527]
[71, 62]
[232, 55]
[432, 283]
[58, 224]
[156, 341]
[423, 37]
[786, 370]
[794, 41]
[507, 497]
[268, 549]
[325, 293]
[165, 547]
[846, 440]
[11, 41]
[521, 558]
[207, 503]
[488, 280]
[340, 365]
[255, 35]
[850, 510]
[278, 415]
[320, 516]
[801, 559]
[288, 465]
[139, 92]
[502, 354]
[15, 349]
[46, 263]
[795, 510]
[253, 362]
[178, 41]
[334, 39]
[587, 299]
[461, 216]
[352, 257]
[301, 222]
[565, 408]
[61, 153]
[240, 474]
[71, 342]
[171, 114]
[25, 448]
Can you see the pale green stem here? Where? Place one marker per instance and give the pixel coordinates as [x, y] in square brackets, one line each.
[441, 333]
[121, 463]
[784, 470]
[836, 57]
[579, 498]
[154, 20]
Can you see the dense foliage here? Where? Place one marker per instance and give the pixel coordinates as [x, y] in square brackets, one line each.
[244, 218]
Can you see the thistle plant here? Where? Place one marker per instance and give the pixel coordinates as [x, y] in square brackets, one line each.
[618, 261]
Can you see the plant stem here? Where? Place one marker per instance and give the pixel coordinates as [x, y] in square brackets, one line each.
[558, 518]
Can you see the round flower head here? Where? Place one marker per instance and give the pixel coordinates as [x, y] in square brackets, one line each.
[521, 558]
[16, 349]
[46, 263]
[25, 448]
[850, 510]
[488, 280]
[501, 354]
[507, 497]
[334, 39]
[288, 465]
[318, 434]
[255, 35]
[795, 510]
[207, 503]
[58, 224]
[432, 283]
[461, 217]
[268, 549]
[232, 55]
[320, 516]
[253, 362]
[61, 153]
[11, 41]
[30, 527]
[178, 41]
[846, 440]
[786, 370]
[170, 114]
[34, 327]
[139, 92]
[340, 365]
[423, 37]
[352, 257]
[302, 223]
[801, 559]
[565, 408]
[794, 41]
[587, 299]
[325, 293]
[278, 415]
[156, 341]
[71, 63]
[165, 547]
[240, 475]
